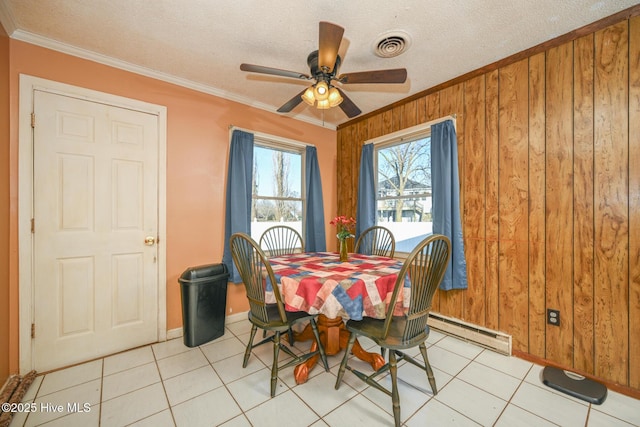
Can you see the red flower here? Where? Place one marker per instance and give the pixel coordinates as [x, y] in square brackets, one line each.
[344, 225]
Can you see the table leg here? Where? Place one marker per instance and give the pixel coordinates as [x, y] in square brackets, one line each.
[334, 337]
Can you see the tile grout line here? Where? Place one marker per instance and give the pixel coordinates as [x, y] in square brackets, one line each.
[101, 392]
[155, 360]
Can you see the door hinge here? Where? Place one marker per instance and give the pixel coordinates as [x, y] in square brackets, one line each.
[33, 225]
[33, 330]
[33, 120]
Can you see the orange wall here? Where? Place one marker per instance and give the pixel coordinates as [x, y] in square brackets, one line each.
[4, 204]
[197, 152]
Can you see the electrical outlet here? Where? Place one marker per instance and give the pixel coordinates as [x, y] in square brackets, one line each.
[553, 317]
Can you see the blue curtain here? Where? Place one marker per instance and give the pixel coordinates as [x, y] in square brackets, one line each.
[238, 210]
[314, 239]
[446, 200]
[366, 207]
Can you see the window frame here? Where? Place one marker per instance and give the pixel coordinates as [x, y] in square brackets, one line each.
[396, 138]
[289, 146]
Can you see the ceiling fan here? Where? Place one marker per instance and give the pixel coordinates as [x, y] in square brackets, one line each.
[323, 65]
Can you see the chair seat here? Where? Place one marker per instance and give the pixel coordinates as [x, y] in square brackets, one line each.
[373, 329]
[275, 323]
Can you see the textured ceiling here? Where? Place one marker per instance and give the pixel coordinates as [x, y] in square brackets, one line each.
[201, 43]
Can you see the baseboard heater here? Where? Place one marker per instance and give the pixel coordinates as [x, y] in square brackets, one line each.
[493, 340]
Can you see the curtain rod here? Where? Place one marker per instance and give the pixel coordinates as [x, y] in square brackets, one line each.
[270, 138]
[408, 132]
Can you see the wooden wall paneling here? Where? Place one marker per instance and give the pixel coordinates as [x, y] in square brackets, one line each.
[513, 202]
[432, 102]
[559, 201]
[387, 122]
[612, 203]
[583, 232]
[452, 103]
[346, 188]
[537, 140]
[396, 117]
[492, 283]
[601, 204]
[474, 201]
[374, 126]
[409, 114]
[340, 138]
[421, 110]
[342, 190]
[634, 203]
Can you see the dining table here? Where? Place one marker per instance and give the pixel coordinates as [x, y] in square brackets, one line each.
[319, 283]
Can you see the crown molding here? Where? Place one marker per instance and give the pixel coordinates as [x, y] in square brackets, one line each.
[51, 44]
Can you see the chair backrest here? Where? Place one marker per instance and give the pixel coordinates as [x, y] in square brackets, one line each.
[281, 240]
[376, 240]
[252, 265]
[424, 268]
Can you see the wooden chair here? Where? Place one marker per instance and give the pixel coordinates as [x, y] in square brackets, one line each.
[252, 262]
[425, 268]
[281, 240]
[376, 240]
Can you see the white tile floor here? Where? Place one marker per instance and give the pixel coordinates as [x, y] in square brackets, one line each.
[168, 384]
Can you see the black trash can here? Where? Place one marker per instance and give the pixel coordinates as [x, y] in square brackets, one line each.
[203, 291]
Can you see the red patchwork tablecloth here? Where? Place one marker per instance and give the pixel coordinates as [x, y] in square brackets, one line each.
[317, 282]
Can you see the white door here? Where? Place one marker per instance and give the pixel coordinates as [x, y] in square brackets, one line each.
[95, 202]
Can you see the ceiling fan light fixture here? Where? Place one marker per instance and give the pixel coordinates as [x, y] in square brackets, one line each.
[308, 97]
[324, 64]
[323, 105]
[334, 97]
[321, 91]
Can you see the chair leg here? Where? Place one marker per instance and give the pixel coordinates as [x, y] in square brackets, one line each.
[291, 338]
[316, 334]
[395, 396]
[427, 366]
[274, 367]
[345, 358]
[247, 352]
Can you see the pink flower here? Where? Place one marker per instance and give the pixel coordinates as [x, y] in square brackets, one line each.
[344, 225]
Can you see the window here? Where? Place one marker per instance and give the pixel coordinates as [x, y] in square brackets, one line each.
[277, 196]
[403, 188]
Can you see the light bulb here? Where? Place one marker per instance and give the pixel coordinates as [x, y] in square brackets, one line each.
[321, 91]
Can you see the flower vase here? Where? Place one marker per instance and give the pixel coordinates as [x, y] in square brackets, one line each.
[344, 255]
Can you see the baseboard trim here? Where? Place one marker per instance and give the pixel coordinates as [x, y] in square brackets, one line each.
[493, 340]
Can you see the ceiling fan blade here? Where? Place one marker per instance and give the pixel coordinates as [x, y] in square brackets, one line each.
[330, 38]
[396, 75]
[292, 103]
[347, 105]
[273, 71]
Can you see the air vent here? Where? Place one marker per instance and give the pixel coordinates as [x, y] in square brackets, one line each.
[391, 44]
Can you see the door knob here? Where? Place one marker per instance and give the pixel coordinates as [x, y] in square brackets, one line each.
[149, 240]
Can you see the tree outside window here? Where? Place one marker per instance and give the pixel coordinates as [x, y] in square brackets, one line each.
[277, 189]
[403, 199]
